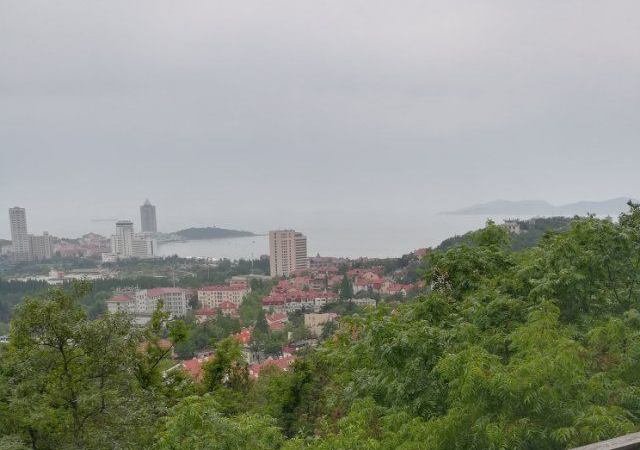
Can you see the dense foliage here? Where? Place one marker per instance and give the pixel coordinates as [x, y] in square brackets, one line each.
[531, 232]
[532, 349]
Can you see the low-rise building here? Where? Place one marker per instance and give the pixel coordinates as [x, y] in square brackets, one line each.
[364, 301]
[297, 300]
[175, 300]
[315, 322]
[282, 363]
[512, 226]
[211, 297]
[143, 302]
[122, 303]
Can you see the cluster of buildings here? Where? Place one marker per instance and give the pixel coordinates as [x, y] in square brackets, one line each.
[256, 363]
[126, 243]
[141, 303]
[226, 299]
[289, 296]
[370, 281]
[91, 244]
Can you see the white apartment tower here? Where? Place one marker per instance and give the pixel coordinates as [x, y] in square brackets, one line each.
[288, 252]
[122, 241]
[126, 244]
[148, 217]
[19, 235]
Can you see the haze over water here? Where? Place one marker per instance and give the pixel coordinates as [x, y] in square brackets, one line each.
[347, 240]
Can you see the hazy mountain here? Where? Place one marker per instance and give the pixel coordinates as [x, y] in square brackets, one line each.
[212, 233]
[611, 207]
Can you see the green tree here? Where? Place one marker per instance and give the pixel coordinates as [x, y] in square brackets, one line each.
[226, 366]
[70, 377]
[197, 424]
[346, 291]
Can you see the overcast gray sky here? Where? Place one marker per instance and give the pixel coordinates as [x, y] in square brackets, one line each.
[255, 114]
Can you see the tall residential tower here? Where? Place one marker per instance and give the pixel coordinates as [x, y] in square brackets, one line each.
[148, 217]
[122, 241]
[288, 252]
[19, 235]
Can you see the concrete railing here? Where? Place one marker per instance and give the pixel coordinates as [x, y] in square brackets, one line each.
[626, 442]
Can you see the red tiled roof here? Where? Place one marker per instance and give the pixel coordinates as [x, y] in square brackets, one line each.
[281, 363]
[206, 312]
[120, 298]
[277, 317]
[276, 326]
[167, 290]
[244, 336]
[227, 305]
[194, 367]
[394, 288]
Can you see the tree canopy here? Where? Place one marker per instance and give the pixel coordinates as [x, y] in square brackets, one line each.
[505, 349]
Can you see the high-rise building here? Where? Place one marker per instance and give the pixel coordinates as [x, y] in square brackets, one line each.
[19, 235]
[126, 244]
[122, 241]
[41, 247]
[288, 252]
[148, 217]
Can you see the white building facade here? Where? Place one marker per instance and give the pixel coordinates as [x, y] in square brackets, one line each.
[287, 252]
[19, 235]
[211, 297]
[143, 302]
[126, 244]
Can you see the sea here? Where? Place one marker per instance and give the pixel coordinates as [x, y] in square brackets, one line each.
[393, 239]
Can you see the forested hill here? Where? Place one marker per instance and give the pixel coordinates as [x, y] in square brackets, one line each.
[531, 231]
[212, 233]
[532, 349]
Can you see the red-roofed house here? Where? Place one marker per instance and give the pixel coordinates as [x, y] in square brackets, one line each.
[204, 314]
[277, 317]
[194, 367]
[244, 336]
[121, 303]
[228, 308]
[280, 363]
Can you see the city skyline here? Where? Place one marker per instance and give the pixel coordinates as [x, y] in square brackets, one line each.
[246, 116]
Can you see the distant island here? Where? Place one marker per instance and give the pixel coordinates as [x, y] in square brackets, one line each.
[611, 207]
[192, 234]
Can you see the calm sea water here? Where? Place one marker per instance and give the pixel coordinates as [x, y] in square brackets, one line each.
[373, 240]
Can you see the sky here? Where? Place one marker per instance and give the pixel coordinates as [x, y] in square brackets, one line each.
[287, 113]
